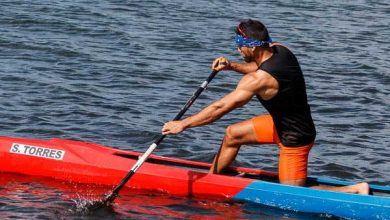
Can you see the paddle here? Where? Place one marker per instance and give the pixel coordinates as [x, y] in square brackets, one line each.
[111, 197]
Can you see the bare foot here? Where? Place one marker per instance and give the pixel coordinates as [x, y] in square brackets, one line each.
[362, 188]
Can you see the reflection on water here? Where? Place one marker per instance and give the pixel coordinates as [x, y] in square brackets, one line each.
[48, 198]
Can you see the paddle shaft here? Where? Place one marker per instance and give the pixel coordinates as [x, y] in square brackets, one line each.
[153, 146]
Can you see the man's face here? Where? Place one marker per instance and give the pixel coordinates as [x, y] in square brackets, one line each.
[246, 54]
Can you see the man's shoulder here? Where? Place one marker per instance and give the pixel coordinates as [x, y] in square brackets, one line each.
[261, 74]
[255, 79]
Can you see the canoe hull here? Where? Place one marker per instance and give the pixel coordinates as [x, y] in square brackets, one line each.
[95, 164]
[316, 201]
[90, 163]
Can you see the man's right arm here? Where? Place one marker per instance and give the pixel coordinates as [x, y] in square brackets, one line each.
[221, 63]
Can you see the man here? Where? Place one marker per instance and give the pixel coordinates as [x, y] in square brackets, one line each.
[272, 74]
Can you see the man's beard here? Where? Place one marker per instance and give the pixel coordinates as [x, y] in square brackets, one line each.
[247, 59]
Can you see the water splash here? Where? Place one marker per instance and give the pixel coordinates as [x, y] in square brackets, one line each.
[87, 203]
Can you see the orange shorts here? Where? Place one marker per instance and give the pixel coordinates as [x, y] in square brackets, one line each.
[292, 160]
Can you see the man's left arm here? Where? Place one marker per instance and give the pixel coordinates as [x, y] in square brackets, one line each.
[245, 90]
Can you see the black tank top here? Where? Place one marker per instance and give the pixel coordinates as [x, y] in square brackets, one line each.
[289, 109]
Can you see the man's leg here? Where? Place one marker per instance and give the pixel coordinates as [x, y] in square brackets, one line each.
[261, 130]
[235, 136]
[293, 164]
[293, 170]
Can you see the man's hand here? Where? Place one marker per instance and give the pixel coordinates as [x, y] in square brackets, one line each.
[221, 63]
[173, 127]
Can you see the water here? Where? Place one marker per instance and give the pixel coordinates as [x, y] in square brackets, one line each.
[112, 72]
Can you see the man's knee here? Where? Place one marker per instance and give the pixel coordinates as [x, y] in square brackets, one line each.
[298, 182]
[231, 139]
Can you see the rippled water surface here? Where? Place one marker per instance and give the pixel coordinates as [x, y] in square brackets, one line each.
[112, 72]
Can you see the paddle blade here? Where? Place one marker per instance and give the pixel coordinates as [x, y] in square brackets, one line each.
[92, 205]
[110, 198]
